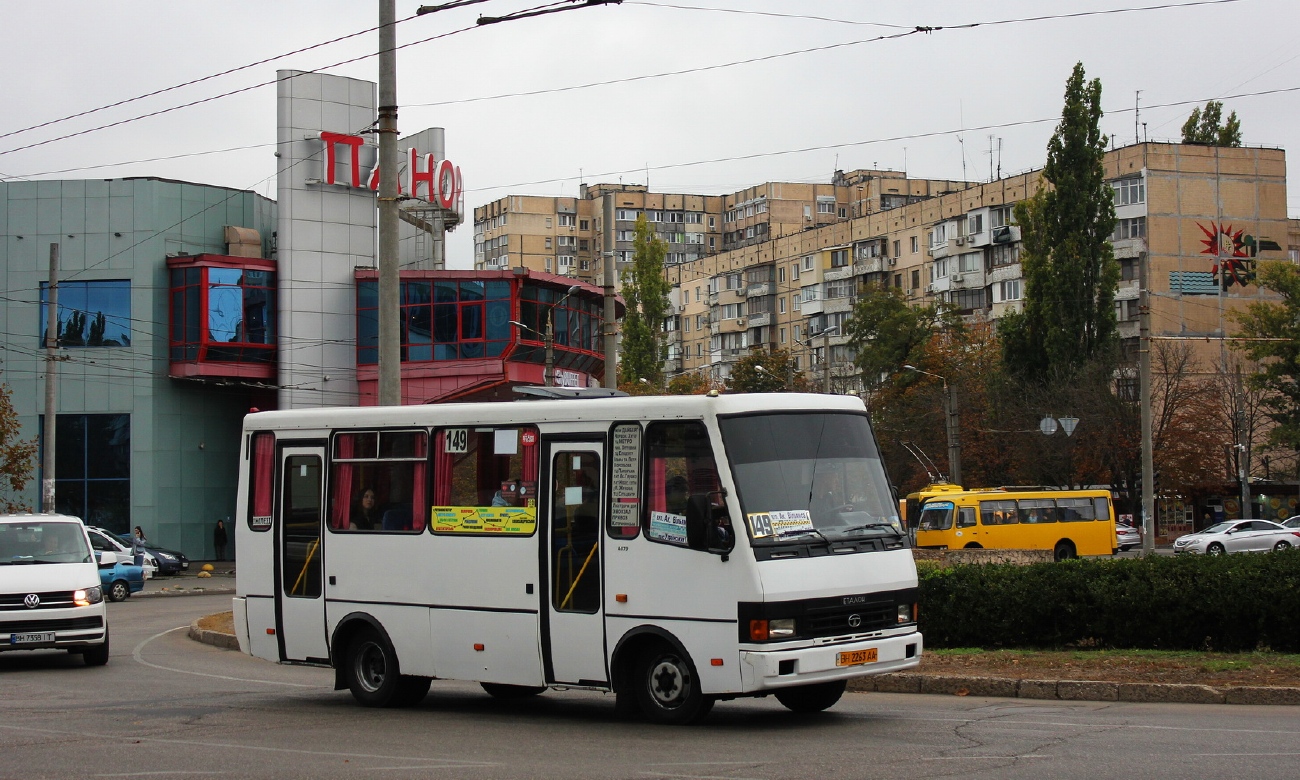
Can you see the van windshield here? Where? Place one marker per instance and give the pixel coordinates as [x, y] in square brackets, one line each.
[42, 541]
[809, 474]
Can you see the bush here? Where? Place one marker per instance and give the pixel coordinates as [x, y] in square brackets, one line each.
[1226, 603]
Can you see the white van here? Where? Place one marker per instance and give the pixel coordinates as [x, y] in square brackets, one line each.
[50, 592]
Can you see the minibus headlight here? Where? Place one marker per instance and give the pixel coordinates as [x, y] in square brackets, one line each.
[88, 596]
[906, 613]
[782, 628]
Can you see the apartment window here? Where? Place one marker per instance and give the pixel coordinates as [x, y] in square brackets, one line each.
[628, 215]
[916, 278]
[840, 288]
[794, 271]
[584, 224]
[699, 322]
[697, 293]
[585, 265]
[808, 263]
[625, 235]
[825, 205]
[694, 218]
[699, 348]
[565, 261]
[567, 220]
[839, 258]
[92, 314]
[975, 223]
[781, 305]
[783, 332]
[915, 245]
[548, 221]
[584, 244]
[939, 235]
[967, 300]
[969, 262]
[731, 311]
[1127, 310]
[798, 332]
[566, 240]
[780, 274]
[1005, 254]
[1130, 191]
[898, 248]
[548, 242]
[898, 280]
[1007, 291]
[1128, 269]
[1130, 228]
[807, 212]
[843, 212]
[1001, 217]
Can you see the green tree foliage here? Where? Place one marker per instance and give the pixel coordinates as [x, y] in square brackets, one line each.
[1069, 267]
[645, 291]
[17, 456]
[1277, 325]
[887, 333]
[764, 371]
[1207, 128]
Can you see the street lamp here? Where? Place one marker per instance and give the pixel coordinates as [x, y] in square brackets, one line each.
[548, 338]
[952, 423]
[826, 356]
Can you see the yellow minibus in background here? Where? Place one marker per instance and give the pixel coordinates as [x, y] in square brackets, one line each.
[1070, 523]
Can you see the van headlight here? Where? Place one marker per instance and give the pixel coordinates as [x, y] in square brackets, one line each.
[906, 613]
[87, 596]
[781, 628]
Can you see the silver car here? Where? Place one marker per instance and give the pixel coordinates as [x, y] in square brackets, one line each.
[1127, 536]
[1234, 536]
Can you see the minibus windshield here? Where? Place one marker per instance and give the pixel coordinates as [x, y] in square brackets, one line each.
[33, 542]
[809, 475]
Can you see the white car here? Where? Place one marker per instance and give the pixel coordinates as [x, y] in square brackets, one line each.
[1238, 536]
[103, 541]
[1127, 537]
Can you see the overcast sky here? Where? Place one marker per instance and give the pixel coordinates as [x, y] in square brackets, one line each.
[777, 90]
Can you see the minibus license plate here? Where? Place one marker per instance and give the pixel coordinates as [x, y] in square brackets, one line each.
[856, 657]
[31, 639]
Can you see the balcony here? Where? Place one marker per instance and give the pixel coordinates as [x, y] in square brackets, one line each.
[966, 280]
[761, 288]
[223, 317]
[760, 320]
[834, 305]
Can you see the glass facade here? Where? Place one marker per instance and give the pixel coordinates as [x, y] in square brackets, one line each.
[92, 471]
[222, 314]
[91, 314]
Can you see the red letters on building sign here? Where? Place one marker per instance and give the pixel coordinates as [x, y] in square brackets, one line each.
[440, 179]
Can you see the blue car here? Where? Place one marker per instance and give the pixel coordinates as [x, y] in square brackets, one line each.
[120, 579]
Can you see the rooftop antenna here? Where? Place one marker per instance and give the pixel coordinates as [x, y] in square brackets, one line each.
[962, 143]
[999, 157]
[1137, 111]
[990, 157]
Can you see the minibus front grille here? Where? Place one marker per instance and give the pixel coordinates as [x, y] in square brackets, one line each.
[54, 599]
[849, 620]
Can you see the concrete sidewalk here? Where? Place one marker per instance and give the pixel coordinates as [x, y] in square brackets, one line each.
[189, 583]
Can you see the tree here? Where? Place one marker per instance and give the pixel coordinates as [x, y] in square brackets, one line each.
[645, 291]
[764, 371]
[17, 456]
[1272, 333]
[1069, 267]
[1205, 127]
[887, 333]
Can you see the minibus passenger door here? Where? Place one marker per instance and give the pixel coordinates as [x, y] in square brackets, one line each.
[574, 617]
[299, 593]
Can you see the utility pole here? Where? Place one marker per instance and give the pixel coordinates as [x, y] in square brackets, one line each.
[51, 381]
[1144, 402]
[610, 326]
[390, 349]
[954, 432]
[826, 358]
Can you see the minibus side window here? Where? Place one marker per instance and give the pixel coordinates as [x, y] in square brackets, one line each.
[1038, 510]
[966, 517]
[485, 480]
[261, 494]
[679, 464]
[998, 513]
[1074, 510]
[377, 481]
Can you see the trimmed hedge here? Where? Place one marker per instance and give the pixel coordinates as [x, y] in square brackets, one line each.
[1226, 603]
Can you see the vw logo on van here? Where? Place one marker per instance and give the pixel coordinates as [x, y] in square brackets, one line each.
[855, 621]
[32, 601]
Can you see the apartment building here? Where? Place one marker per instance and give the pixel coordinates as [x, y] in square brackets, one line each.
[1202, 216]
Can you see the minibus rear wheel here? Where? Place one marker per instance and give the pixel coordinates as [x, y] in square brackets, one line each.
[374, 677]
[1064, 550]
[807, 699]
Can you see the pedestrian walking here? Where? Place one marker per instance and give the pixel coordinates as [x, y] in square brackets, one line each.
[219, 539]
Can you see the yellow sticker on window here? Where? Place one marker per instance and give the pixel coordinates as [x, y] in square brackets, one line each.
[485, 520]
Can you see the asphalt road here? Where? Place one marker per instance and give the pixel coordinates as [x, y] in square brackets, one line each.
[167, 706]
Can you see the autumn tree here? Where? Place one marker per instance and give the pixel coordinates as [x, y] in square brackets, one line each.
[1271, 331]
[17, 456]
[767, 371]
[645, 292]
[1066, 258]
[1207, 128]
[887, 333]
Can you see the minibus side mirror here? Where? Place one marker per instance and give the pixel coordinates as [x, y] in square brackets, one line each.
[707, 527]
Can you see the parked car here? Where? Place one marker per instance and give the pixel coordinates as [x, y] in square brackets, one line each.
[119, 577]
[1127, 536]
[1238, 536]
[1292, 522]
[169, 561]
[106, 541]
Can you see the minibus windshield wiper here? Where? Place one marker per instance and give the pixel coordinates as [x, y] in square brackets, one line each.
[865, 526]
[802, 532]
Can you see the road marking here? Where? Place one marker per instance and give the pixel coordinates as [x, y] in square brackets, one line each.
[969, 758]
[136, 655]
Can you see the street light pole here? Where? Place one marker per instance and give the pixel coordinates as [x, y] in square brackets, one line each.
[953, 424]
[548, 338]
[826, 357]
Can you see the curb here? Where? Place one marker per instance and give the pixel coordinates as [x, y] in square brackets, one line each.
[1075, 690]
[214, 638]
[151, 594]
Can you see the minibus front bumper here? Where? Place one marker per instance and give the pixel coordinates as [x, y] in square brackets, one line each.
[781, 667]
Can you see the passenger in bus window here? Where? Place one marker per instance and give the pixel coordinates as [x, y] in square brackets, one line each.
[365, 513]
[508, 495]
[675, 494]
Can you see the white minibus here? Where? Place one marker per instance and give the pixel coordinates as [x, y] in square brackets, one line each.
[673, 550]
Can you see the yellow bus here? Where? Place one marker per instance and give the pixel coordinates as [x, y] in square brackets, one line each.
[1070, 523]
[910, 508]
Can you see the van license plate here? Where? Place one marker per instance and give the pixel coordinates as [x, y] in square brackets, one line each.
[32, 639]
[856, 657]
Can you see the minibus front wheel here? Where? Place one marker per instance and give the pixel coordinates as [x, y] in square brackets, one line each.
[666, 688]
